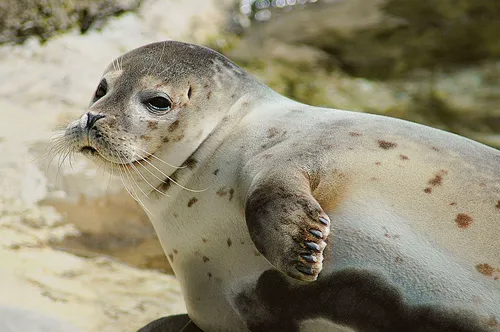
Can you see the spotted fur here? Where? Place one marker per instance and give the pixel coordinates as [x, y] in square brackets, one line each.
[286, 217]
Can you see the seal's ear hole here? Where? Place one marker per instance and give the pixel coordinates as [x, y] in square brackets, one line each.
[190, 90]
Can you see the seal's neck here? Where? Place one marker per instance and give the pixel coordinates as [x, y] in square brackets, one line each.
[201, 137]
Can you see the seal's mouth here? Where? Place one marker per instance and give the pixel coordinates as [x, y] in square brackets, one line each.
[94, 153]
[89, 149]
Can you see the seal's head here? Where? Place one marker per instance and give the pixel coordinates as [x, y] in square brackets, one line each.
[159, 101]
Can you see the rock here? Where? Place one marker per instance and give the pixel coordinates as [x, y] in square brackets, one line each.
[435, 64]
[61, 221]
[46, 18]
[98, 294]
[14, 320]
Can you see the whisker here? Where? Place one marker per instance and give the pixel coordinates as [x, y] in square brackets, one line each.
[142, 176]
[61, 161]
[112, 171]
[170, 178]
[136, 184]
[160, 57]
[53, 149]
[121, 173]
[131, 176]
[164, 162]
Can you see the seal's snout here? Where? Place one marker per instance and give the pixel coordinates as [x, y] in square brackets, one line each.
[92, 119]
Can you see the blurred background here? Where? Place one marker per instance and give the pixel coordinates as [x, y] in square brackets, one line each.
[75, 246]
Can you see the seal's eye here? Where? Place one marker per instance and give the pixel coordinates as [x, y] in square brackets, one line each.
[101, 91]
[158, 104]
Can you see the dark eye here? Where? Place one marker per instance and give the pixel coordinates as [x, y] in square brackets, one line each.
[158, 104]
[101, 90]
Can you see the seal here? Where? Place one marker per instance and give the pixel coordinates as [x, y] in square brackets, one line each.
[280, 216]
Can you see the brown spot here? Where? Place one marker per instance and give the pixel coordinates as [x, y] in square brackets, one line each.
[190, 162]
[378, 163]
[204, 240]
[403, 157]
[152, 124]
[171, 256]
[165, 185]
[436, 181]
[485, 269]
[178, 138]
[373, 179]
[477, 299]
[463, 220]
[453, 203]
[229, 242]
[173, 126]
[492, 321]
[398, 259]
[216, 171]
[386, 145]
[165, 139]
[267, 155]
[175, 251]
[209, 94]
[192, 201]
[271, 132]
[354, 134]
[435, 149]
[498, 204]
[146, 138]
[160, 84]
[205, 259]
[209, 275]
[224, 191]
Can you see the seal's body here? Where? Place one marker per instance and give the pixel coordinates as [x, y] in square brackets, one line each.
[288, 217]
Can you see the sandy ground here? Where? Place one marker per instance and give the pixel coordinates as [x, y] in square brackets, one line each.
[41, 87]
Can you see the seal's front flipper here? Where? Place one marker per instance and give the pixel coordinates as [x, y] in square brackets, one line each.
[287, 224]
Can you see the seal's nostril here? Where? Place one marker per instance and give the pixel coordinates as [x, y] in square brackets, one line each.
[92, 119]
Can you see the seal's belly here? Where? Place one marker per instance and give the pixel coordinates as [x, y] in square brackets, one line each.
[422, 270]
